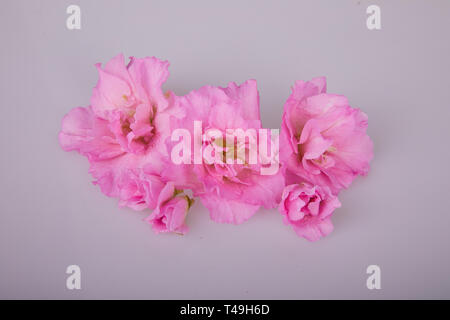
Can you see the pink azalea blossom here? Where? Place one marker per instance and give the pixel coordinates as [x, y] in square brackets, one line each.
[171, 210]
[308, 209]
[231, 192]
[122, 133]
[323, 140]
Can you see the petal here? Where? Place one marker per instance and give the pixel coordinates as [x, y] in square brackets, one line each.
[116, 67]
[295, 210]
[111, 93]
[315, 145]
[81, 130]
[314, 230]
[175, 222]
[322, 103]
[228, 211]
[167, 193]
[148, 75]
[248, 97]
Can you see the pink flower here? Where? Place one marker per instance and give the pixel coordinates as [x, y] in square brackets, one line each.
[122, 133]
[323, 140]
[171, 210]
[138, 189]
[129, 98]
[231, 192]
[308, 209]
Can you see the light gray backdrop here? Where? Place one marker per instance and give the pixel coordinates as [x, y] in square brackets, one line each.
[398, 217]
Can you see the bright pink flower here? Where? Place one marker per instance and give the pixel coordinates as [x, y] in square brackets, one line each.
[231, 192]
[171, 210]
[323, 140]
[308, 209]
[122, 133]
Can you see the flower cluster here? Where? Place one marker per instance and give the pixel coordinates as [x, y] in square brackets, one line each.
[324, 146]
[126, 133]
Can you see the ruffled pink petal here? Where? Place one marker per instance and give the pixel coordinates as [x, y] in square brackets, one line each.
[116, 67]
[148, 75]
[82, 131]
[315, 229]
[248, 97]
[111, 93]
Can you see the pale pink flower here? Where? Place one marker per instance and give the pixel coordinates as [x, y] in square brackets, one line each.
[170, 213]
[122, 133]
[308, 209]
[323, 140]
[231, 192]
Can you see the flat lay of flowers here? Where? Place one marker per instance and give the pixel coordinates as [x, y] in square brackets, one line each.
[157, 151]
